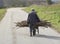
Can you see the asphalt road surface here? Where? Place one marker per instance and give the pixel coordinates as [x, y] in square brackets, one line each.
[9, 34]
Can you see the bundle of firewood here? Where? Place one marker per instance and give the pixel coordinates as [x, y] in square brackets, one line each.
[41, 23]
[22, 24]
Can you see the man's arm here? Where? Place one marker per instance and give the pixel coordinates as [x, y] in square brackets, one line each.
[28, 19]
[37, 18]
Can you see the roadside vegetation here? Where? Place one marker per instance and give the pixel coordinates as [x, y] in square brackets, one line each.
[2, 13]
[50, 13]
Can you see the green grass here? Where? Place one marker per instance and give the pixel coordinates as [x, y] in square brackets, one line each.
[2, 13]
[50, 13]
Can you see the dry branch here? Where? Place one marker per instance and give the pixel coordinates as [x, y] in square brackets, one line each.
[25, 24]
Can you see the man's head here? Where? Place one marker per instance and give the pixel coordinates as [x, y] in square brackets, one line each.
[33, 9]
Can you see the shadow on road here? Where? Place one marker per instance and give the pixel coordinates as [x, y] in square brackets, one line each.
[49, 37]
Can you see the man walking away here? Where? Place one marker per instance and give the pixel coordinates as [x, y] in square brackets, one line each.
[32, 20]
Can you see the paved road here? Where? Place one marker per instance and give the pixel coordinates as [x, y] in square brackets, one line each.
[9, 34]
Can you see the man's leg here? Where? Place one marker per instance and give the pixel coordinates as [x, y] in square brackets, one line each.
[37, 29]
[34, 32]
[30, 32]
[31, 29]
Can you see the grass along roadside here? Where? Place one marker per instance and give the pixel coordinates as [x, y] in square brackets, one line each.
[2, 13]
[50, 13]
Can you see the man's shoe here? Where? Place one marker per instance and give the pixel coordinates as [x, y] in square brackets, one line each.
[34, 34]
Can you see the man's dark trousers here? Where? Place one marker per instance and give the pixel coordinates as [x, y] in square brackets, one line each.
[32, 30]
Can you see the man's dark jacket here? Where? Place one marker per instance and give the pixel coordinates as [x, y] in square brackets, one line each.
[32, 18]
